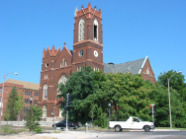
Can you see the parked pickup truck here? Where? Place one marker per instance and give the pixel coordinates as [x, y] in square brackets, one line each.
[131, 123]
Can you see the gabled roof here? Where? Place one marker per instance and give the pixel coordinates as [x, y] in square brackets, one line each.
[133, 67]
[68, 51]
[26, 85]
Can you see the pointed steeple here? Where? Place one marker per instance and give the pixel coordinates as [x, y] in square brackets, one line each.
[44, 53]
[89, 5]
[76, 10]
[95, 8]
[53, 51]
[66, 49]
[48, 49]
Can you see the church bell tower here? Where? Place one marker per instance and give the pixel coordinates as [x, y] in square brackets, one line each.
[88, 39]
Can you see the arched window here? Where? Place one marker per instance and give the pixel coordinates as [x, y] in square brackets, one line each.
[95, 30]
[44, 109]
[62, 80]
[45, 91]
[63, 63]
[81, 30]
[79, 68]
[147, 71]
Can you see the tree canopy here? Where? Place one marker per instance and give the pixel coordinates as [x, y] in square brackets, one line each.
[82, 87]
[128, 94]
[32, 118]
[176, 80]
[178, 99]
[15, 105]
[11, 108]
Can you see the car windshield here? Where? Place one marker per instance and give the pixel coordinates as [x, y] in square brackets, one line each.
[140, 119]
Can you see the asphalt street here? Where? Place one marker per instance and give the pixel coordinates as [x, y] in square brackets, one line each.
[143, 135]
[92, 134]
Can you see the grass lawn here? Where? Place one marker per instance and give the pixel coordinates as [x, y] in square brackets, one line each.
[7, 129]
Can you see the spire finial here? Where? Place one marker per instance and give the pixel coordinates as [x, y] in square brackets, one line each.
[76, 10]
[64, 43]
[89, 5]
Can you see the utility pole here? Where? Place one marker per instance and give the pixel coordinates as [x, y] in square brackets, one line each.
[152, 111]
[109, 105]
[54, 114]
[31, 112]
[67, 105]
[1, 106]
[169, 104]
[169, 97]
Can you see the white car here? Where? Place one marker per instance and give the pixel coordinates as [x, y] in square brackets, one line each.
[131, 123]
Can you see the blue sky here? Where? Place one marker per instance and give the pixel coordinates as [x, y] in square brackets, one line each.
[132, 29]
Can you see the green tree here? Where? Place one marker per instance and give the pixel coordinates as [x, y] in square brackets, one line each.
[178, 99]
[11, 108]
[32, 119]
[94, 90]
[92, 113]
[129, 94]
[20, 105]
[176, 81]
[159, 97]
[84, 86]
[102, 118]
[79, 85]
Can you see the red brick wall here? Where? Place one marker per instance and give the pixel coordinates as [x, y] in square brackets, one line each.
[89, 44]
[89, 15]
[54, 57]
[20, 88]
[54, 73]
[148, 75]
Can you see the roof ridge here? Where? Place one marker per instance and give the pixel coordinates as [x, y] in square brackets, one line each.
[144, 61]
[131, 61]
[26, 85]
[65, 48]
[20, 81]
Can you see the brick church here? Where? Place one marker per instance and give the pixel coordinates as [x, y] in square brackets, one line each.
[57, 64]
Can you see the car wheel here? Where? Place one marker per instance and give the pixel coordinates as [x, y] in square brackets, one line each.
[54, 126]
[147, 128]
[118, 128]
